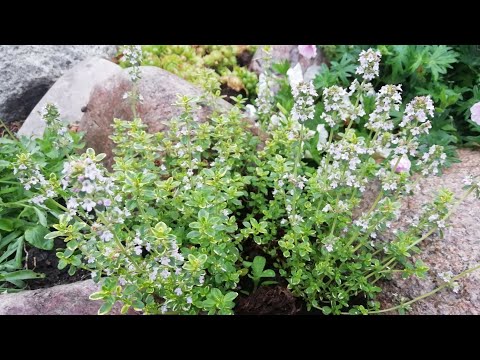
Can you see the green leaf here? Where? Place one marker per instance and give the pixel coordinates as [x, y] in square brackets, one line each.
[138, 305]
[72, 270]
[21, 275]
[53, 235]
[129, 289]
[62, 264]
[193, 234]
[268, 273]
[4, 164]
[269, 282]
[105, 308]
[36, 237]
[203, 214]
[99, 295]
[6, 224]
[440, 60]
[9, 238]
[100, 157]
[258, 266]
[230, 296]
[42, 217]
[327, 310]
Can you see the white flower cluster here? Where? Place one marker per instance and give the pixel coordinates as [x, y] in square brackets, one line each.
[345, 155]
[30, 176]
[432, 160]
[388, 178]
[364, 87]
[265, 97]
[51, 116]
[369, 64]
[94, 190]
[303, 108]
[388, 98]
[338, 106]
[132, 54]
[28, 173]
[416, 115]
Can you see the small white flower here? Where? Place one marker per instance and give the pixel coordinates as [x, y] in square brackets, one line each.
[165, 273]
[138, 250]
[88, 205]
[467, 180]
[178, 291]
[38, 200]
[327, 208]
[106, 236]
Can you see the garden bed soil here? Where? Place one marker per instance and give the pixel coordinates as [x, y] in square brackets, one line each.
[46, 262]
[268, 300]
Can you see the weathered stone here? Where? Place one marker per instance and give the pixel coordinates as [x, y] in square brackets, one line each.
[70, 93]
[28, 71]
[159, 89]
[458, 251]
[286, 52]
[69, 299]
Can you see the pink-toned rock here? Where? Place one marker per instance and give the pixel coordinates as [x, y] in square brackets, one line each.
[159, 89]
[69, 299]
[458, 251]
[286, 52]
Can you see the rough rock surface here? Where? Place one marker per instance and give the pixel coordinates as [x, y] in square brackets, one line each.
[159, 89]
[458, 251]
[70, 299]
[70, 93]
[28, 71]
[287, 52]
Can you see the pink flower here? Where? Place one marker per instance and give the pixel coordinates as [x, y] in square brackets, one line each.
[403, 165]
[307, 51]
[475, 110]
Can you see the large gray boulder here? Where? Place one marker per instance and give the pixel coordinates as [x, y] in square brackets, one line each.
[458, 251]
[28, 71]
[69, 299]
[70, 93]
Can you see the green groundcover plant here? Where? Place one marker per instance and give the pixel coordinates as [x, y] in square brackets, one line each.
[29, 170]
[165, 231]
[200, 63]
[449, 74]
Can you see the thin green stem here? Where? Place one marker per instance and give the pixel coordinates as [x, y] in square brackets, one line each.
[418, 298]
[296, 164]
[8, 130]
[391, 259]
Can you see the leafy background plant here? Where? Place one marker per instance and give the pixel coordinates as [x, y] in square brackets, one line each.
[24, 221]
[193, 62]
[450, 74]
